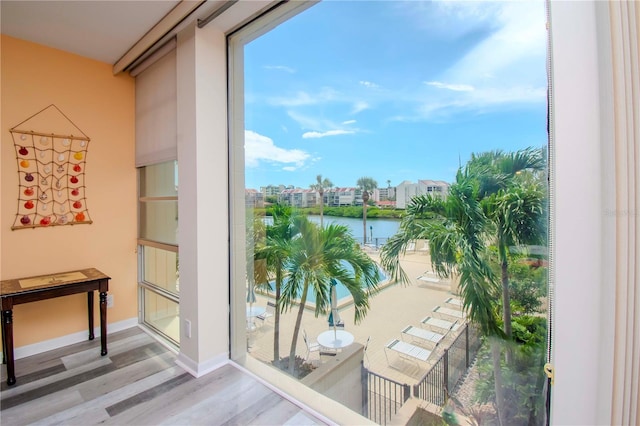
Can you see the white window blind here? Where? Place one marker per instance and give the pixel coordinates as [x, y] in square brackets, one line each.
[156, 132]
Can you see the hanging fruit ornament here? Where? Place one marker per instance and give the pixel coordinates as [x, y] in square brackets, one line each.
[78, 155]
[80, 217]
[43, 196]
[28, 177]
[75, 192]
[28, 205]
[77, 168]
[45, 221]
[83, 143]
[47, 169]
[42, 154]
[28, 192]
[23, 137]
[73, 179]
[77, 205]
[66, 142]
[62, 220]
[44, 141]
[23, 151]
[60, 169]
[24, 164]
[61, 157]
[25, 220]
[44, 181]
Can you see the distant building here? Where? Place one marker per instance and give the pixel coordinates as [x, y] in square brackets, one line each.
[387, 193]
[253, 198]
[298, 197]
[407, 190]
[273, 190]
[340, 197]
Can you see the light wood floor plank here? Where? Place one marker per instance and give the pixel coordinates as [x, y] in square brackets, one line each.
[94, 411]
[137, 383]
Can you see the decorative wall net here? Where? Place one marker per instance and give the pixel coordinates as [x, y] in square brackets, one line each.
[51, 176]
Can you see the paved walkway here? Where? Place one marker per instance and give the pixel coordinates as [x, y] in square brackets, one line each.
[391, 310]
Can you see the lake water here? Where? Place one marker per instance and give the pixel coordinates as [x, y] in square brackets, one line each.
[380, 229]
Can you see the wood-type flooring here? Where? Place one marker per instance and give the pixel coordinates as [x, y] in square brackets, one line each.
[137, 383]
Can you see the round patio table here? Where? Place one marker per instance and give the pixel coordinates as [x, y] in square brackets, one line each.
[335, 339]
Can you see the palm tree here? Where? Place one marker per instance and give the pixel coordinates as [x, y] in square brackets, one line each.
[513, 199]
[366, 185]
[320, 186]
[319, 255]
[274, 251]
[457, 241]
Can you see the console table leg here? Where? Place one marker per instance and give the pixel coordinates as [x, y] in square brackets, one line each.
[90, 310]
[103, 322]
[7, 333]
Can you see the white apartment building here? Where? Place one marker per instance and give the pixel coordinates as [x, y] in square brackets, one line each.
[407, 190]
[298, 197]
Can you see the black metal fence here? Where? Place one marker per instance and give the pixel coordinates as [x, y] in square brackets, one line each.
[382, 397]
[447, 371]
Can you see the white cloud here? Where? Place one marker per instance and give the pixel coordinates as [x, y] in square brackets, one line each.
[302, 98]
[315, 135]
[449, 86]
[349, 122]
[259, 148]
[369, 84]
[280, 68]
[359, 106]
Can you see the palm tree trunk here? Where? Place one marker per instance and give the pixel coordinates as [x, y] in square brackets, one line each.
[321, 208]
[276, 319]
[364, 223]
[296, 330]
[497, 379]
[506, 299]
[506, 309]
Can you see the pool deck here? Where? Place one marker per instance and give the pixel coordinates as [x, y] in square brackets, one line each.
[391, 310]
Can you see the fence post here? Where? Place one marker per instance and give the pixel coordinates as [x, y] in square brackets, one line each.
[364, 379]
[466, 335]
[446, 374]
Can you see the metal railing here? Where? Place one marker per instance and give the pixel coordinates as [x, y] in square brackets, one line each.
[443, 377]
[382, 397]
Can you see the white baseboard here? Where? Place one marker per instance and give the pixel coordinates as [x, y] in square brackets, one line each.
[200, 369]
[70, 339]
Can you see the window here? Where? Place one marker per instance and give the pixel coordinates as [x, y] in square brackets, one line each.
[159, 284]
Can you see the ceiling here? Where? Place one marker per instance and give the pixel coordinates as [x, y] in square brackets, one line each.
[100, 30]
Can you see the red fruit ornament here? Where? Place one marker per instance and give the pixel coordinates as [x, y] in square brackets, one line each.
[80, 217]
[25, 220]
[28, 205]
[28, 177]
[23, 151]
[77, 205]
[45, 221]
[28, 192]
[75, 192]
[74, 179]
[77, 168]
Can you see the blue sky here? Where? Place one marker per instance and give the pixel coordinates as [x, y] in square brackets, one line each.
[393, 90]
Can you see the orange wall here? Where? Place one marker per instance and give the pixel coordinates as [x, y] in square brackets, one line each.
[102, 106]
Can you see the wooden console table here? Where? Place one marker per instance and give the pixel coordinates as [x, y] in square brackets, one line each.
[31, 289]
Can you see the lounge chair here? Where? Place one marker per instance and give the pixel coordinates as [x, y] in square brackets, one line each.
[429, 276]
[407, 350]
[454, 302]
[271, 311]
[448, 313]
[437, 324]
[422, 336]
